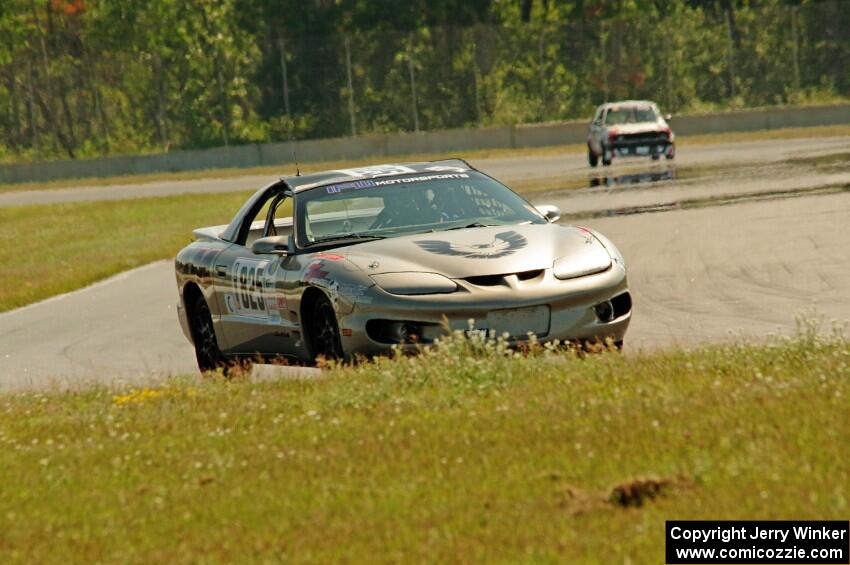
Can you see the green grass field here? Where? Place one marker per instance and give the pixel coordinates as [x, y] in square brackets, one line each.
[464, 454]
[48, 250]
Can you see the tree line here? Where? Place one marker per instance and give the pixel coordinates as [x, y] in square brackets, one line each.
[82, 78]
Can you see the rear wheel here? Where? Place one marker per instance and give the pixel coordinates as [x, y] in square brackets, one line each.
[655, 156]
[324, 331]
[207, 353]
[592, 158]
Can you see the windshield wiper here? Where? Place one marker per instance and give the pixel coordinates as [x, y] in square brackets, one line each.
[348, 236]
[472, 225]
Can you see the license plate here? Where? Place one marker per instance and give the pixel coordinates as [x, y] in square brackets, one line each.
[642, 150]
[518, 322]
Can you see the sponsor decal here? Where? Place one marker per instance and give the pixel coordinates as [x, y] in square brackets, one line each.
[329, 256]
[503, 244]
[446, 169]
[423, 178]
[315, 271]
[352, 292]
[377, 171]
[344, 186]
[361, 184]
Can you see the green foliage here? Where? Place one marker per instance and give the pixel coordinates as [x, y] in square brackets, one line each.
[82, 78]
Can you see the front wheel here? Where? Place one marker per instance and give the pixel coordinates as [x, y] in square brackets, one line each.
[324, 331]
[207, 353]
[592, 158]
[607, 155]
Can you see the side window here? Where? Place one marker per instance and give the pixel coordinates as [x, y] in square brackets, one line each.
[278, 217]
[252, 223]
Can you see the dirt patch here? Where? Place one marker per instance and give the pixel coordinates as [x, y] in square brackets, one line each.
[633, 493]
[636, 492]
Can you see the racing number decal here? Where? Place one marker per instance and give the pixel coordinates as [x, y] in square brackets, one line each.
[249, 287]
[248, 298]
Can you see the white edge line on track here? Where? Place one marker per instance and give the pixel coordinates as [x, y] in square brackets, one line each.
[123, 275]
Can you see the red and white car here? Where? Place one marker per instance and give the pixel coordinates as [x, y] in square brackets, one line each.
[630, 128]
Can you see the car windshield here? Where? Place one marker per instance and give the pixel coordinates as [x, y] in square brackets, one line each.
[401, 205]
[629, 115]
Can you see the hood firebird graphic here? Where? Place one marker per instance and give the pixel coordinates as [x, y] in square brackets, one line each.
[503, 244]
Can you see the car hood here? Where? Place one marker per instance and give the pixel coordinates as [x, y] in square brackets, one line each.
[482, 251]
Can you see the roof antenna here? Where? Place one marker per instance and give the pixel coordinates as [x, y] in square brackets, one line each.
[295, 158]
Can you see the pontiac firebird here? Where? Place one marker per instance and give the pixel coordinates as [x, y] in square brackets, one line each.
[348, 263]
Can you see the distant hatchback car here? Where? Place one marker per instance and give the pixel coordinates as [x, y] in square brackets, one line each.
[352, 262]
[629, 128]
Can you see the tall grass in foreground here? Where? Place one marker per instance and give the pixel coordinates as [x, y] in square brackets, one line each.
[467, 452]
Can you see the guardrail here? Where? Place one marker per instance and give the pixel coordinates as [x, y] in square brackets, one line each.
[436, 141]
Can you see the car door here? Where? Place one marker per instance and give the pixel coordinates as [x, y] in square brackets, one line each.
[250, 288]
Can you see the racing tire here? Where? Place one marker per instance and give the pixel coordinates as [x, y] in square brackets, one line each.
[324, 331]
[656, 157]
[207, 353]
[606, 156]
[592, 158]
[670, 157]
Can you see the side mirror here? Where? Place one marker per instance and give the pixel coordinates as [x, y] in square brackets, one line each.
[550, 212]
[668, 117]
[275, 244]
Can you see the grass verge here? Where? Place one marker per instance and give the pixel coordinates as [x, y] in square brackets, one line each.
[272, 171]
[466, 453]
[48, 250]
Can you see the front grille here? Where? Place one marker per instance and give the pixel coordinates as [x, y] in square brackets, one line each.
[486, 280]
[644, 137]
[499, 280]
[528, 275]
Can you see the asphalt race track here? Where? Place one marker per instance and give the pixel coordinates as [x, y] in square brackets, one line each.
[729, 241]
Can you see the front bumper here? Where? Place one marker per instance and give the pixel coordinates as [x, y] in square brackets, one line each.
[570, 304]
[641, 148]
[644, 144]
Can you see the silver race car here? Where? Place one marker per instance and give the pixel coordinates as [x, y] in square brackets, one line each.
[628, 129]
[348, 263]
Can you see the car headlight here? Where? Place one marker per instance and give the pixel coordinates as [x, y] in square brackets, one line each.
[612, 249]
[413, 283]
[579, 266]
